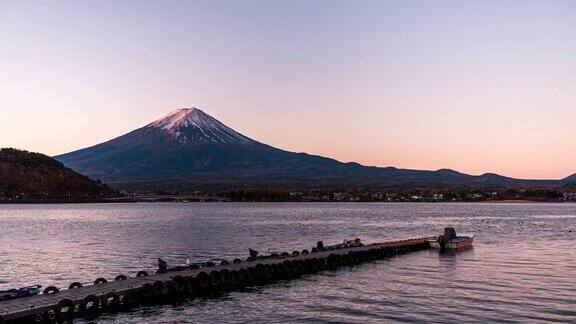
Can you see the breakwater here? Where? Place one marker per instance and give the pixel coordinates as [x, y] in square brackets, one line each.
[123, 293]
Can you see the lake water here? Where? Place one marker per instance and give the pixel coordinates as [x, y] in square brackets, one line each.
[521, 269]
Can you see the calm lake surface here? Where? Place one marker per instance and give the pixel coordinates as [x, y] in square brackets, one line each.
[521, 269]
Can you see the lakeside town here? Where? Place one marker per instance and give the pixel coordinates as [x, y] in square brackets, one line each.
[359, 195]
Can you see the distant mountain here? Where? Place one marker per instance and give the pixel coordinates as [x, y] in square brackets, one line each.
[570, 180]
[190, 149]
[34, 176]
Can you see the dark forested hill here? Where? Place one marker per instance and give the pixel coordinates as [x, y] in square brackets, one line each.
[33, 176]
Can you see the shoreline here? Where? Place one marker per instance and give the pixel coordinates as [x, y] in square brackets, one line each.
[132, 201]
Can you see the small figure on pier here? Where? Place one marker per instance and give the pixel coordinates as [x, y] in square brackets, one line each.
[253, 254]
[162, 266]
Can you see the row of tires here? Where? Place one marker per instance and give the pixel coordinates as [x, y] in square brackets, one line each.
[75, 285]
[207, 283]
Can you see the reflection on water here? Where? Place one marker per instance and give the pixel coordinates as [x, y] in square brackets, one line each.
[521, 269]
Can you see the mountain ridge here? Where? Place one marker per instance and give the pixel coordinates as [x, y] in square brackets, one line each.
[188, 148]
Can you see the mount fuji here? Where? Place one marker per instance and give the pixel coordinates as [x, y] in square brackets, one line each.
[190, 149]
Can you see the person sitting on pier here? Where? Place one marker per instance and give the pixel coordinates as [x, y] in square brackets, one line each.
[319, 246]
[162, 266]
[253, 254]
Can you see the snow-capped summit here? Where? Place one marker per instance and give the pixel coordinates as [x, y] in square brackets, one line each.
[193, 125]
[175, 117]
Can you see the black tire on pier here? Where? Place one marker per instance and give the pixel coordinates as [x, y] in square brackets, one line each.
[252, 278]
[100, 281]
[380, 253]
[142, 274]
[75, 285]
[344, 259]
[274, 271]
[362, 256]
[120, 278]
[268, 272]
[90, 307]
[287, 265]
[297, 265]
[314, 265]
[235, 278]
[358, 257]
[341, 260]
[260, 273]
[225, 277]
[224, 262]
[110, 302]
[168, 293]
[131, 299]
[304, 266]
[203, 280]
[50, 290]
[351, 258]
[243, 278]
[215, 279]
[318, 264]
[309, 266]
[332, 261]
[280, 271]
[305, 251]
[192, 286]
[168, 288]
[147, 293]
[45, 317]
[295, 253]
[64, 310]
[236, 261]
[296, 268]
[284, 254]
[180, 287]
[158, 286]
[323, 262]
[290, 269]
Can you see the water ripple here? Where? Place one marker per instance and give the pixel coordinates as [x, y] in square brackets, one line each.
[522, 268]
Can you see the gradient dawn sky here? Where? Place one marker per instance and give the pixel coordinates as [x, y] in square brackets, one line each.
[476, 86]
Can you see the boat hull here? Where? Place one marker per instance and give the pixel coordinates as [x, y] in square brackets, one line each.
[460, 243]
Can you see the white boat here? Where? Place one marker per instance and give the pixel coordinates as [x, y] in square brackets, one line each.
[449, 240]
[460, 242]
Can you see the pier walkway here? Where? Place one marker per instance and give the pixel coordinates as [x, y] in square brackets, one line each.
[126, 293]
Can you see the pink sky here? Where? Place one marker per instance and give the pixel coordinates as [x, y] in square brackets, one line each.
[484, 86]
